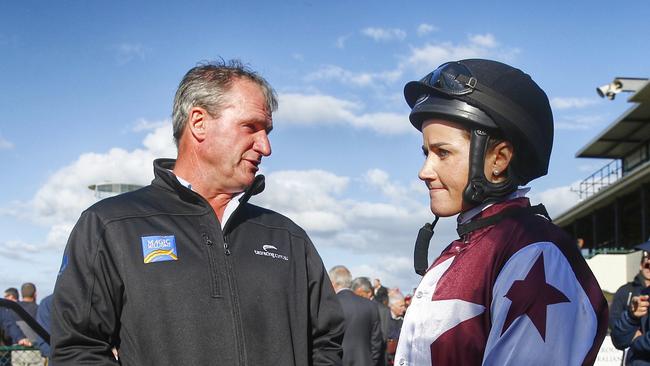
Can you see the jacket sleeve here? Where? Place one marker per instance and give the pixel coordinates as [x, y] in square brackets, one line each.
[326, 315]
[377, 338]
[87, 299]
[9, 325]
[619, 305]
[623, 331]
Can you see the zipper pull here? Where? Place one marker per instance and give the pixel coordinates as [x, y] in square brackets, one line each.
[207, 240]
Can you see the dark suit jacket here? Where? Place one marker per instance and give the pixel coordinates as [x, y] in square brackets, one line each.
[362, 341]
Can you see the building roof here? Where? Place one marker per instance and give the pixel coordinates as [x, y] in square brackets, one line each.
[625, 133]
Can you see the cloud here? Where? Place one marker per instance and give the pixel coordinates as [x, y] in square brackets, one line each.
[394, 271]
[5, 144]
[143, 124]
[572, 102]
[419, 61]
[319, 109]
[431, 55]
[485, 40]
[556, 200]
[384, 34]
[424, 29]
[298, 56]
[127, 52]
[60, 200]
[578, 122]
[346, 77]
[340, 41]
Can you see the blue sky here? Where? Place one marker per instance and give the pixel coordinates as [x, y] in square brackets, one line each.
[86, 89]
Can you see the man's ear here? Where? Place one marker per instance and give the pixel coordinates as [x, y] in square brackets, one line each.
[197, 123]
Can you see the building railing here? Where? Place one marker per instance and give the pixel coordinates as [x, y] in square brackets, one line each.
[589, 253]
[600, 179]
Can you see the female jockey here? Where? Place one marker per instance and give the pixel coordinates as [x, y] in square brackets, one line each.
[513, 289]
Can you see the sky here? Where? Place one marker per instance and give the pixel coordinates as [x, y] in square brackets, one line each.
[86, 90]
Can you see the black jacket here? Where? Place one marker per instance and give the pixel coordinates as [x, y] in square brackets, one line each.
[363, 341]
[254, 294]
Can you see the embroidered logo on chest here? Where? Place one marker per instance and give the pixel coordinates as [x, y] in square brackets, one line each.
[159, 248]
[269, 250]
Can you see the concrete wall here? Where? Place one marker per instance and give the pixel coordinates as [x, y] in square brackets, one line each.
[614, 270]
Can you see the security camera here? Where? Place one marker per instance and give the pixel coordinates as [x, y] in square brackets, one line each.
[609, 90]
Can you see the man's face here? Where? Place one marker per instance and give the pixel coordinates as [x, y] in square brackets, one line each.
[645, 266]
[398, 308]
[236, 141]
[9, 296]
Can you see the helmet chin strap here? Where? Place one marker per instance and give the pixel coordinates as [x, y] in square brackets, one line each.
[479, 189]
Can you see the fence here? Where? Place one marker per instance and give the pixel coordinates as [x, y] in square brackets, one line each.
[21, 356]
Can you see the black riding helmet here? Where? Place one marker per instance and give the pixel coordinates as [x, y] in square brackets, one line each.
[492, 99]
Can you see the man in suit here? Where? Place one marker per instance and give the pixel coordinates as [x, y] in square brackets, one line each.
[362, 341]
[362, 287]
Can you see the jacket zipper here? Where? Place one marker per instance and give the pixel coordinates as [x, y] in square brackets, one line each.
[213, 265]
[239, 332]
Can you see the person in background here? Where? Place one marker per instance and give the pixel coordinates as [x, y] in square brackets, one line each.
[28, 298]
[362, 340]
[629, 322]
[362, 287]
[43, 315]
[11, 294]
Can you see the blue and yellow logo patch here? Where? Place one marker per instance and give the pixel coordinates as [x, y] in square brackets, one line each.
[159, 248]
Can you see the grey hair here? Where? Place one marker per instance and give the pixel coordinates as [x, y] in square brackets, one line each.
[341, 276]
[394, 297]
[207, 85]
[362, 283]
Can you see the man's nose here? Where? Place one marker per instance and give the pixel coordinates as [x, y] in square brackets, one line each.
[262, 144]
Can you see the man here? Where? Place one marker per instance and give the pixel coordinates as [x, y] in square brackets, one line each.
[11, 294]
[397, 310]
[381, 292]
[629, 323]
[362, 342]
[185, 271]
[28, 302]
[11, 332]
[361, 286]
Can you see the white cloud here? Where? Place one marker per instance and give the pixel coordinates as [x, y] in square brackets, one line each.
[298, 56]
[572, 102]
[315, 109]
[384, 34]
[431, 55]
[5, 144]
[556, 200]
[419, 61]
[361, 79]
[340, 41]
[578, 122]
[485, 40]
[127, 52]
[143, 124]
[61, 199]
[424, 29]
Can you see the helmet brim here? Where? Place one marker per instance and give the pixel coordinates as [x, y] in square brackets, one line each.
[455, 110]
